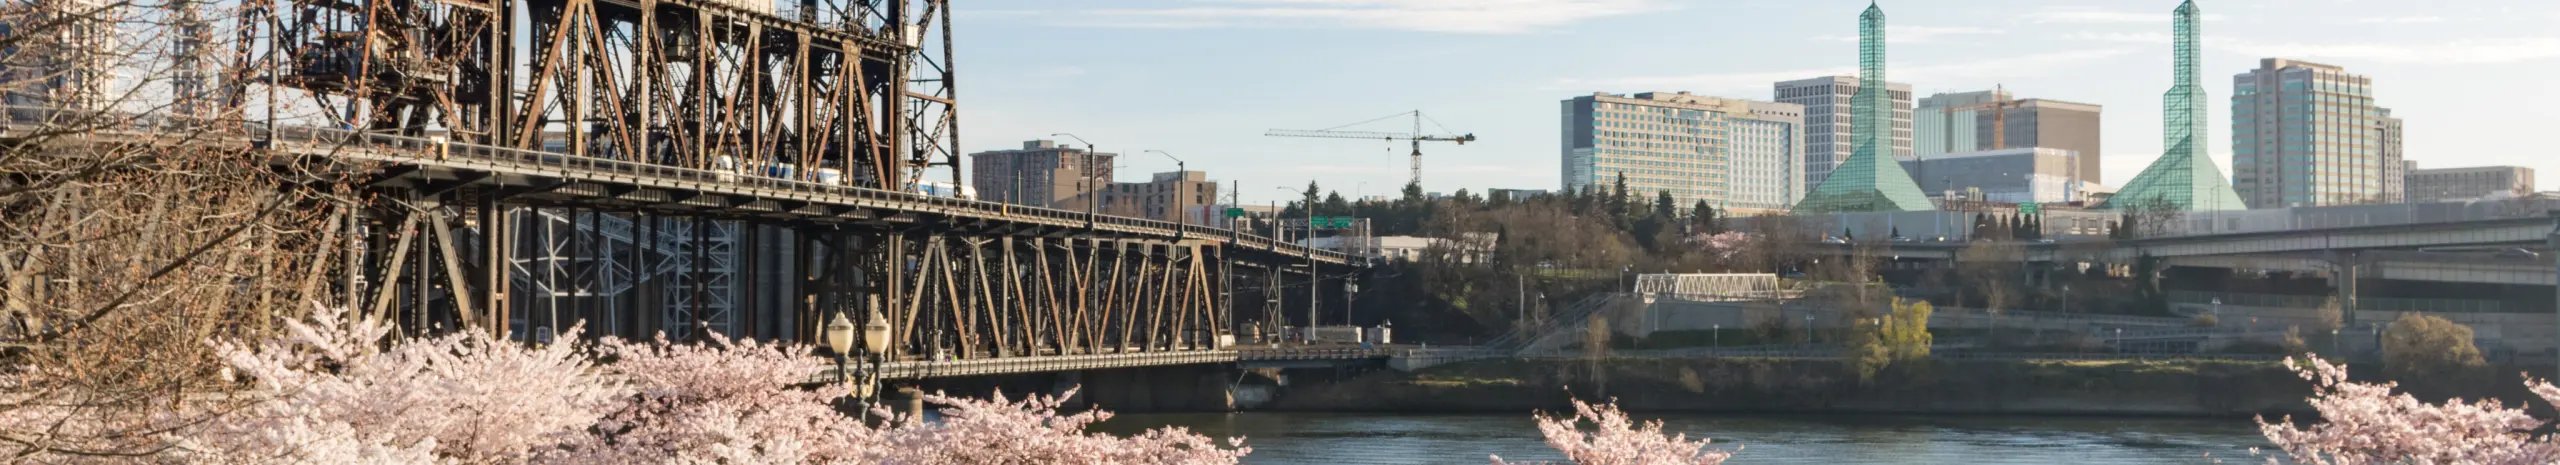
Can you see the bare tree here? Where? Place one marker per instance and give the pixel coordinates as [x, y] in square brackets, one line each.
[1991, 270]
[137, 223]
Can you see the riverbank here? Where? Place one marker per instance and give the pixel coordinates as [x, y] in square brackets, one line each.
[2140, 388]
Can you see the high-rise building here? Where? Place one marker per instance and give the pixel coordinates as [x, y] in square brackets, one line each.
[1828, 126]
[2454, 184]
[1731, 153]
[2046, 123]
[1943, 123]
[1042, 174]
[2185, 176]
[1991, 120]
[1871, 180]
[2306, 134]
[2395, 168]
[1185, 196]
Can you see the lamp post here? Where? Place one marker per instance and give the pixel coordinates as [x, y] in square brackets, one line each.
[875, 346]
[1181, 180]
[1719, 332]
[839, 335]
[1313, 277]
[1093, 185]
[2217, 310]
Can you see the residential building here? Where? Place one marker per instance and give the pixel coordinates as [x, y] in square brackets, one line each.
[1870, 180]
[2019, 175]
[2458, 184]
[2395, 167]
[2309, 134]
[1731, 153]
[1830, 131]
[1185, 196]
[1042, 174]
[2185, 175]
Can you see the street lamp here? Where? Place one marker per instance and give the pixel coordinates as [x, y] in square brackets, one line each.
[839, 336]
[1181, 181]
[1093, 186]
[1314, 275]
[1719, 332]
[1808, 328]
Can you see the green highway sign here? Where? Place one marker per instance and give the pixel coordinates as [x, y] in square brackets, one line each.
[1235, 212]
[2030, 208]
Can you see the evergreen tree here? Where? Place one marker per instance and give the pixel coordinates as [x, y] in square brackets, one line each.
[1618, 201]
[1311, 195]
[1702, 219]
[1334, 205]
[1897, 232]
[2013, 227]
[1413, 193]
[1498, 198]
[1845, 235]
[1663, 206]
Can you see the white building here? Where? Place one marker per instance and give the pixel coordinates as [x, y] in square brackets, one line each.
[1731, 153]
[1827, 136]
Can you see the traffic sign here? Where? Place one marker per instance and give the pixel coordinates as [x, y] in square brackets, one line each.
[2030, 208]
[1235, 212]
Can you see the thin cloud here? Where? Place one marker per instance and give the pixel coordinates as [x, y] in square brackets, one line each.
[1915, 34]
[2400, 20]
[2120, 37]
[1445, 16]
[1760, 82]
[2080, 15]
[2464, 51]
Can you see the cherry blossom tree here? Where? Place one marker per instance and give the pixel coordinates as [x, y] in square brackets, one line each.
[330, 393]
[2365, 423]
[1030, 430]
[1616, 440]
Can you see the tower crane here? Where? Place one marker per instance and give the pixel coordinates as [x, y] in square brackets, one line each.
[1417, 137]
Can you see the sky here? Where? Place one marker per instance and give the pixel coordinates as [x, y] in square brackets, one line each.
[1204, 79]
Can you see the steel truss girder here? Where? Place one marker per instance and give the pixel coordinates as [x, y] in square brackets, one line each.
[964, 297]
[823, 91]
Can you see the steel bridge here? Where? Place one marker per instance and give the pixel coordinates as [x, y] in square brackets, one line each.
[645, 167]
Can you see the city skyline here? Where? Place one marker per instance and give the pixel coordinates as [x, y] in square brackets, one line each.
[1205, 79]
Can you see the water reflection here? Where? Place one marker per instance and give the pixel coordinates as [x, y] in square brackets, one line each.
[1359, 438]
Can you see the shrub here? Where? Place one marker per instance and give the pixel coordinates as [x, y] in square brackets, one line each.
[2423, 346]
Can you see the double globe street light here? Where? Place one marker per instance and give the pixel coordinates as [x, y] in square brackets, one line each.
[875, 341]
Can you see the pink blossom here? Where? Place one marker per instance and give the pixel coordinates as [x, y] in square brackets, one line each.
[2364, 423]
[1615, 441]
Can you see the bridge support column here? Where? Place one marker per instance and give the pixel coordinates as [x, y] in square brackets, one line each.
[2346, 269]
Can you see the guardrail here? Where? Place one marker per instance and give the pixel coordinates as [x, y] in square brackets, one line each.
[916, 369]
[1256, 355]
[326, 141]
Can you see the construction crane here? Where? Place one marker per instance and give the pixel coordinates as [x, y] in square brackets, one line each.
[1417, 137]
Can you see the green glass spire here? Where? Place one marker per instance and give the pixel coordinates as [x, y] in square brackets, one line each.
[1871, 180]
[2184, 175]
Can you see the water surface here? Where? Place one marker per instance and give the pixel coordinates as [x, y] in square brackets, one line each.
[1364, 438]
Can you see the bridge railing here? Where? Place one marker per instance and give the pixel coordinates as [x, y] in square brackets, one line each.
[422, 149]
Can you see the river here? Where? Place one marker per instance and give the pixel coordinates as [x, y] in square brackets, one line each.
[1363, 438]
